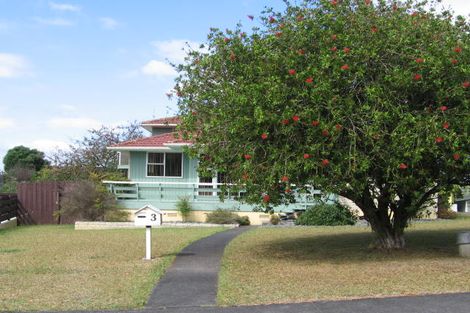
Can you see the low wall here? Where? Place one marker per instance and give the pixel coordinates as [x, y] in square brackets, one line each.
[9, 224]
[130, 225]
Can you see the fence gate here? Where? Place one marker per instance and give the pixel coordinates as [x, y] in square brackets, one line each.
[8, 206]
[40, 201]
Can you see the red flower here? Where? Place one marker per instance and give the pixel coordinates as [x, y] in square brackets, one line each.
[245, 176]
[301, 51]
[417, 77]
[292, 72]
[456, 156]
[414, 13]
[338, 126]
[309, 80]
[315, 123]
[232, 56]
[454, 61]
[333, 49]
[334, 37]
[251, 17]
[374, 29]
[266, 198]
[226, 39]
[457, 49]
[345, 67]
[334, 2]
[443, 108]
[466, 84]
[295, 118]
[346, 50]
[445, 125]
[367, 2]
[419, 60]
[325, 162]
[306, 155]
[439, 139]
[194, 113]
[284, 178]
[272, 19]
[288, 190]
[325, 133]
[278, 34]
[395, 7]
[300, 18]
[264, 136]
[285, 122]
[403, 166]
[247, 156]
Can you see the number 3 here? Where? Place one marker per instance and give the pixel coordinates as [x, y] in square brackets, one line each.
[153, 217]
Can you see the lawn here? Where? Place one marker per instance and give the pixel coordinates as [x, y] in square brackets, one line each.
[58, 268]
[280, 265]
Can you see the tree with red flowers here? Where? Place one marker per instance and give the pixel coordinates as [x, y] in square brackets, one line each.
[375, 108]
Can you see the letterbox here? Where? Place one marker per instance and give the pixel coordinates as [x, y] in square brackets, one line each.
[148, 216]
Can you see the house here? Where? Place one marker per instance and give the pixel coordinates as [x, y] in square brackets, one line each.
[160, 173]
[462, 202]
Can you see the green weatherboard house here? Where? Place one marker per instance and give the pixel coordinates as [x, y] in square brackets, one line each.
[160, 173]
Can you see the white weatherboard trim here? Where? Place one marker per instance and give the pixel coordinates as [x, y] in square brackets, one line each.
[159, 125]
[164, 165]
[162, 183]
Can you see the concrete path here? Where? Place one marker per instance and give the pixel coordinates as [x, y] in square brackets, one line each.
[193, 277]
[445, 303]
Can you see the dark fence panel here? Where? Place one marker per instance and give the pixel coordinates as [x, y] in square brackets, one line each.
[40, 201]
[8, 206]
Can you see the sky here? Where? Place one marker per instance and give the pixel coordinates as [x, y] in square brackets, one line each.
[69, 66]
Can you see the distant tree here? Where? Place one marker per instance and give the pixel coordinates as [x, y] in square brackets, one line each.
[24, 157]
[90, 154]
[366, 99]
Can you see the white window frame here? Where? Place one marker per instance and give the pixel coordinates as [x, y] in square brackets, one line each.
[164, 165]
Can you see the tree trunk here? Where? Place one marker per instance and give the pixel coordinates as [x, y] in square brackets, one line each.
[388, 240]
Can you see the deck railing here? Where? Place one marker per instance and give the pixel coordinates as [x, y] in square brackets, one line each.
[196, 192]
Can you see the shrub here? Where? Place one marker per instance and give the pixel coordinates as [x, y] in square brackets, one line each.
[184, 207]
[275, 219]
[327, 214]
[116, 216]
[243, 220]
[87, 200]
[448, 214]
[221, 216]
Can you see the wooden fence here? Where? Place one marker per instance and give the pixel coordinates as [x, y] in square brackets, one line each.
[8, 206]
[41, 202]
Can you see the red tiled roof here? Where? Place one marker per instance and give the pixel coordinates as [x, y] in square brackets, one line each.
[153, 141]
[163, 121]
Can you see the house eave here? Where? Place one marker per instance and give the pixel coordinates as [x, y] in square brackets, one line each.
[139, 148]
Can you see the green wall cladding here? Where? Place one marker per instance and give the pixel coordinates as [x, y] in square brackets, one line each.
[138, 169]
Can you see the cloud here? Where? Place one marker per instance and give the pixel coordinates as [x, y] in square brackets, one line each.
[47, 145]
[174, 50]
[6, 123]
[461, 7]
[64, 7]
[12, 65]
[54, 21]
[66, 122]
[108, 23]
[158, 68]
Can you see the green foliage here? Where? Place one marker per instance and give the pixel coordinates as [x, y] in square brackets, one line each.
[221, 216]
[243, 220]
[448, 214]
[369, 102]
[87, 200]
[116, 216]
[328, 215]
[275, 219]
[184, 207]
[24, 157]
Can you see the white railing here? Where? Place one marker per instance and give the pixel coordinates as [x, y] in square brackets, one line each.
[195, 191]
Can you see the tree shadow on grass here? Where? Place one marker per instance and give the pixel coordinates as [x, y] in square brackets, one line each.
[355, 247]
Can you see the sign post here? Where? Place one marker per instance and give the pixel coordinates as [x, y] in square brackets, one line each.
[148, 216]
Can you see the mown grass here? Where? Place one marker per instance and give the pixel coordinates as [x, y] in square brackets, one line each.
[58, 268]
[281, 265]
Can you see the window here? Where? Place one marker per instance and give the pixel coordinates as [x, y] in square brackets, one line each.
[165, 164]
